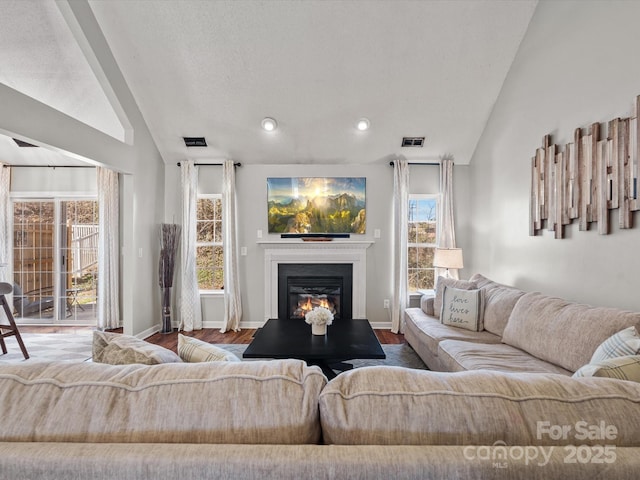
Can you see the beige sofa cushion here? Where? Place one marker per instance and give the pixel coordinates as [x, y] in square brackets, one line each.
[118, 349]
[564, 333]
[442, 282]
[458, 356]
[273, 402]
[432, 332]
[499, 301]
[395, 406]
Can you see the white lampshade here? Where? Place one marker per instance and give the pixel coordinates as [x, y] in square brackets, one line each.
[448, 258]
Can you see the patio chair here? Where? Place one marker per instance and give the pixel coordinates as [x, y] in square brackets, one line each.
[27, 304]
[12, 328]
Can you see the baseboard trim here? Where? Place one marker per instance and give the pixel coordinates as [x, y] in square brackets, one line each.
[148, 332]
[246, 325]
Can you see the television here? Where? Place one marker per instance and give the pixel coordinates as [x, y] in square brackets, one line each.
[316, 205]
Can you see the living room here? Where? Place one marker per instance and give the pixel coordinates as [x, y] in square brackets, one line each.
[491, 199]
[504, 75]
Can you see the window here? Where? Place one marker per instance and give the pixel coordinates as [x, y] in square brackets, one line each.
[209, 260]
[421, 242]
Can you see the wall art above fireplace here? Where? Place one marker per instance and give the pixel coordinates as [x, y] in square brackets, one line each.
[591, 176]
[316, 205]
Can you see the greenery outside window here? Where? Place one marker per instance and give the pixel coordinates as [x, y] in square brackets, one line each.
[209, 247]
[421, 241]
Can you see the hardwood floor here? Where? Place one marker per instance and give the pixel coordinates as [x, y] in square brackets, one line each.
[210, 335]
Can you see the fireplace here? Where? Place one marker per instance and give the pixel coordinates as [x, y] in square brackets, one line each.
[303, 286]
[282, 252]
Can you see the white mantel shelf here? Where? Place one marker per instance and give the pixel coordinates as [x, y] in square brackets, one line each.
[295, 250]
[295, 242]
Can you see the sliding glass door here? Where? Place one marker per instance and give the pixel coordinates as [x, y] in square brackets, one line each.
[55, 261]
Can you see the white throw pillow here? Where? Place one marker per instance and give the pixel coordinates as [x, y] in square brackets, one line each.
[193, 350]
[462, 308]
[622, 368]
[442, 282]
[623, 343]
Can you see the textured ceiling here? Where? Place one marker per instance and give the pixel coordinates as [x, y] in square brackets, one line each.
[216, 68]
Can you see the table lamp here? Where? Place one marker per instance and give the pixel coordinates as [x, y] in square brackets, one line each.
[447, 258]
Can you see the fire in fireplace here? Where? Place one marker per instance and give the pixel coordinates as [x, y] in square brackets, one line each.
[304, 299]
[302, 287]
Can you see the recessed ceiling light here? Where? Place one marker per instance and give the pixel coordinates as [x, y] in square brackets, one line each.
[269, 124]
[363, 124]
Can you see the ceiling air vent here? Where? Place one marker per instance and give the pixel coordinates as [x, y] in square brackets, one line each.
[24, 144]
[412, 141]
[195, 141]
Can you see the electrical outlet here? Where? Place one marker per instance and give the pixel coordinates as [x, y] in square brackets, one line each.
[243, 251]
[386, 303]
[376, 233]
[259, 234]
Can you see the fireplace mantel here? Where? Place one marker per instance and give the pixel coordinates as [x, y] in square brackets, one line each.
[298, 251]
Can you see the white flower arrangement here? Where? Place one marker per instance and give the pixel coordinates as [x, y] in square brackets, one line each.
[319, 316]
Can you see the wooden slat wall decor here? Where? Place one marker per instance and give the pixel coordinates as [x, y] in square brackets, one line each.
[634, 142]
[587, 178]
[602, 160]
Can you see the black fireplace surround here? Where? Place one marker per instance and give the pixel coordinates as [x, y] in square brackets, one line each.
[305, 285]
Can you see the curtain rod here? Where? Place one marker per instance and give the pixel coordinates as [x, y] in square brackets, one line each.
[48, 166]
[419, 163]
[237, 164]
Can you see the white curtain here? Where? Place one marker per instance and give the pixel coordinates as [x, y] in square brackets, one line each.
[400, 234]
[446, 229]
[190, 311]
[232, 299]
[108, 251]
[5, 186]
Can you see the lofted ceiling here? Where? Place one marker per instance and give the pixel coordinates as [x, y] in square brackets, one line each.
[216, 68]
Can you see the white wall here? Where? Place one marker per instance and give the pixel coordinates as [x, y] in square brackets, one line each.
[576, 65]
[251, 184]
[143, 185]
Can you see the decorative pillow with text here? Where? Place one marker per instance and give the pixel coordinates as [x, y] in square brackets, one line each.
[462, 308]
[442, 282]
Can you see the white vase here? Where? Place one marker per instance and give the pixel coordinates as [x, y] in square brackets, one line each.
[319, 328]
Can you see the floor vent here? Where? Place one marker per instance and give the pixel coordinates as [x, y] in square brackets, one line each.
[412, 141]
[195, 141]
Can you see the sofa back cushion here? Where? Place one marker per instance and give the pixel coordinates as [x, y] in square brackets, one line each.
[268, 402]
[396, 406]
[499, 301]
[563, 333]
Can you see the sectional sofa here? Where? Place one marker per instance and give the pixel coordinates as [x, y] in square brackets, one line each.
[282, 420]
[523, 332]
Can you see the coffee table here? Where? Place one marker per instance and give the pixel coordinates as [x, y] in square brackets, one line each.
[346, 339]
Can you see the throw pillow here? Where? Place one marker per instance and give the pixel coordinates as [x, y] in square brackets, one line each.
[193, 350]
[462, 308]
[442, 282]
[622, 368]
[118, 349]
[625, 342]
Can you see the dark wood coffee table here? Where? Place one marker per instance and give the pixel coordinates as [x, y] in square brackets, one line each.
[346, 339]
